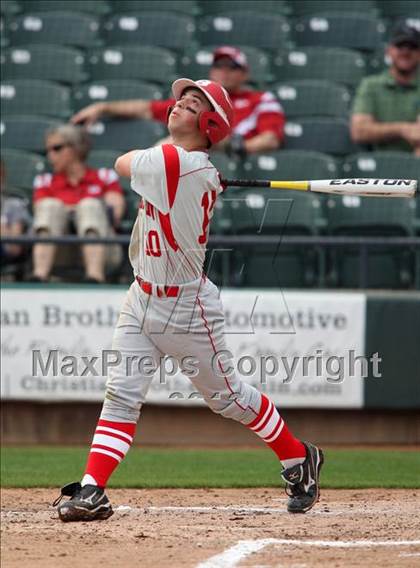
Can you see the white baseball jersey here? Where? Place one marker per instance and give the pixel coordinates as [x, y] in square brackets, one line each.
[179, 190]
[167, 248]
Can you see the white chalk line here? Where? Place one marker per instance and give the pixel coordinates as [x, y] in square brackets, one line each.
[235, 554]
[245, 509]
[213, 509]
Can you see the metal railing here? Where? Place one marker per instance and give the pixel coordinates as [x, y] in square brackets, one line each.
[234, 242]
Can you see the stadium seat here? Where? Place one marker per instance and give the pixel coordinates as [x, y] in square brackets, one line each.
[352, 31]
[290, 165]
[165, 29]
[10, 7]
[4, 40]
[25, 132]
[397, 8]
[31, 96]
[189, 7]
[262, 30]
[338, 65]
[382, 165]
[196, 64]
[281, 7]
[103, 158]
[22, 167]
[106, 159]
[64, 28]
[313, 98]
[413, 20]
[98, 7]
[357, 216]
[227, 167]
[271, 212]
[132, 62]
[219, 259]
[221, 222]
[378, 61]
[113, 90]
[309, 7]
[328, 135]
[366, 215]
[51, 62]
[132, 201]
[266, 212]
[126, 135]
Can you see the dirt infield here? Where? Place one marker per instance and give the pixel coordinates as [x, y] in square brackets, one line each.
[215, 528]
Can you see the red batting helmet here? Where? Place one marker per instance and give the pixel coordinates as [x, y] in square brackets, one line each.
[217, 123]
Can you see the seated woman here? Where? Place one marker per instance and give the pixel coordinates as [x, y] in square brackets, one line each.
[74, 193]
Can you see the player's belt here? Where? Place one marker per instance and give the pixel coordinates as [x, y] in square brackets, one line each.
[155, 290]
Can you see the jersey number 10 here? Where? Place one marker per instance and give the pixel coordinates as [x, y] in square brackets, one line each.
[153, 244]
[208, 201]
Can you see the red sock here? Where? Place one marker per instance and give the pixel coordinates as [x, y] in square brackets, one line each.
[111, 442]
[270, 426]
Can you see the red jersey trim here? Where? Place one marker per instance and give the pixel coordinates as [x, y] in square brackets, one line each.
[165, 223]
[172, 171]
[198, 170]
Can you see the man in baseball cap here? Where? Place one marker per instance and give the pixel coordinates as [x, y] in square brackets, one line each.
[386, 111]
[258, 121]
[235, 55]
[259, 118]
[404, 34]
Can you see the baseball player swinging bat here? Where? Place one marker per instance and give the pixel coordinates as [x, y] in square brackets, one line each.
[369, 187]
[172, 308]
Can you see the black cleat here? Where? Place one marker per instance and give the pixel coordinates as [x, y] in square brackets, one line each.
[88, 503]
[302, 481]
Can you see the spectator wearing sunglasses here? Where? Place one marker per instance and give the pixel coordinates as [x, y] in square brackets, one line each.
[258, 124]
[386, 111]
[74, 195]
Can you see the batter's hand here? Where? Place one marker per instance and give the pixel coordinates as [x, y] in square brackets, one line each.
[89, 114]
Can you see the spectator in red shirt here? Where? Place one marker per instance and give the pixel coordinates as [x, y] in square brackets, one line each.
[74, 192]
[258, 121]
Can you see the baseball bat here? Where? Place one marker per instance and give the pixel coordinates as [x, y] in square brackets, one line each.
[355, 186]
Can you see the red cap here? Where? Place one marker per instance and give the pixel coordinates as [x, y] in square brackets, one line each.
[235, 54]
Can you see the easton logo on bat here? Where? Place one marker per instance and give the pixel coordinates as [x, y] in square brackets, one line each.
[405, 182]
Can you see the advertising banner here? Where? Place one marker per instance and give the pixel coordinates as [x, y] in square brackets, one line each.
[304, 349]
